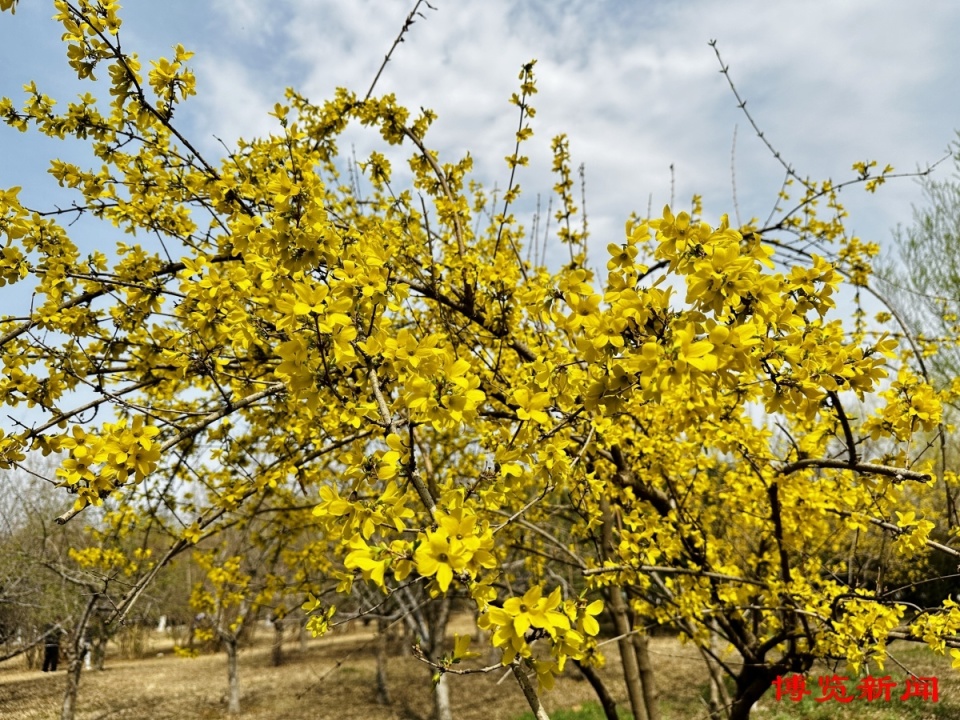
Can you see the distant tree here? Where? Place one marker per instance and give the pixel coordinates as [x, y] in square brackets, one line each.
[241, 578]
[32, 597]
[922, 277]
[920, 281]
[67, 578]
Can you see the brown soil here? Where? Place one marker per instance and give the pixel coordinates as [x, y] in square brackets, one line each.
[332, 678]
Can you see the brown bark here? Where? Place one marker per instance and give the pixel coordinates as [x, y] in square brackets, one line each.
[628, 656]
[533, 700]
[98, 653]
[276, 650]
[78, 649]
[719, 700]
[441, 689]
[618, 610]
[230, 642]
[69, 708]
[651, 697]
[607, 702]
[233, 677]
[751, 685]
[383, 692]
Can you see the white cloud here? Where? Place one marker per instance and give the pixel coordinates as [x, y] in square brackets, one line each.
[252, 21]
[634, 85]
[231, 103]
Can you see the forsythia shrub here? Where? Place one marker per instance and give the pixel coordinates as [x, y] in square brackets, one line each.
[698, 429]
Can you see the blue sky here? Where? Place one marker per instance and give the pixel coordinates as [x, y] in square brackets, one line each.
[634, 85]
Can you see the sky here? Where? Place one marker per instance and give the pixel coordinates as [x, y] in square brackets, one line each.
[634, 85]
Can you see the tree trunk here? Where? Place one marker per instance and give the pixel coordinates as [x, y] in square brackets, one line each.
[752, 683]
[714, 701]
[533, 700]
[78, 650]
[98, 653]
[719, 701]
[233, 678]
[192, 632]
[276, 651]
[32, 656]
[383, 692]
[441, 698]
[441, 690]
[69, 709]
[621, 621]
[628, 656]
[651, 698]
[607, 702]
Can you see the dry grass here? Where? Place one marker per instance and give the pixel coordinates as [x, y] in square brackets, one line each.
[333, 678]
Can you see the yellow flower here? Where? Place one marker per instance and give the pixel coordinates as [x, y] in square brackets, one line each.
[532, 405]
[461, 643]
[142, 434]
[460, 528]
[698, 354]
[142, 460]
[534, 610]
[588, 621]
[621, 255]
[73, 471]
[442, 556]
[546, 673]
[369, 560]
[81, 445]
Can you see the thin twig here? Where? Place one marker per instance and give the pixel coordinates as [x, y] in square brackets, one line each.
[845, 424]
[898, 474]
[192, 430]
[897, 530]
[672, 571]
[422, 490]
[420, 655]
[407, 24]
[733, 174]
[742, 104]
[521, 511]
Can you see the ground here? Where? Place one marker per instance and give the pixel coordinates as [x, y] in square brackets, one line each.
[333, 677]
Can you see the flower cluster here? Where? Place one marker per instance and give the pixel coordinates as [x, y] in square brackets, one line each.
[99, 463]
[567, 625]
[457, 547]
